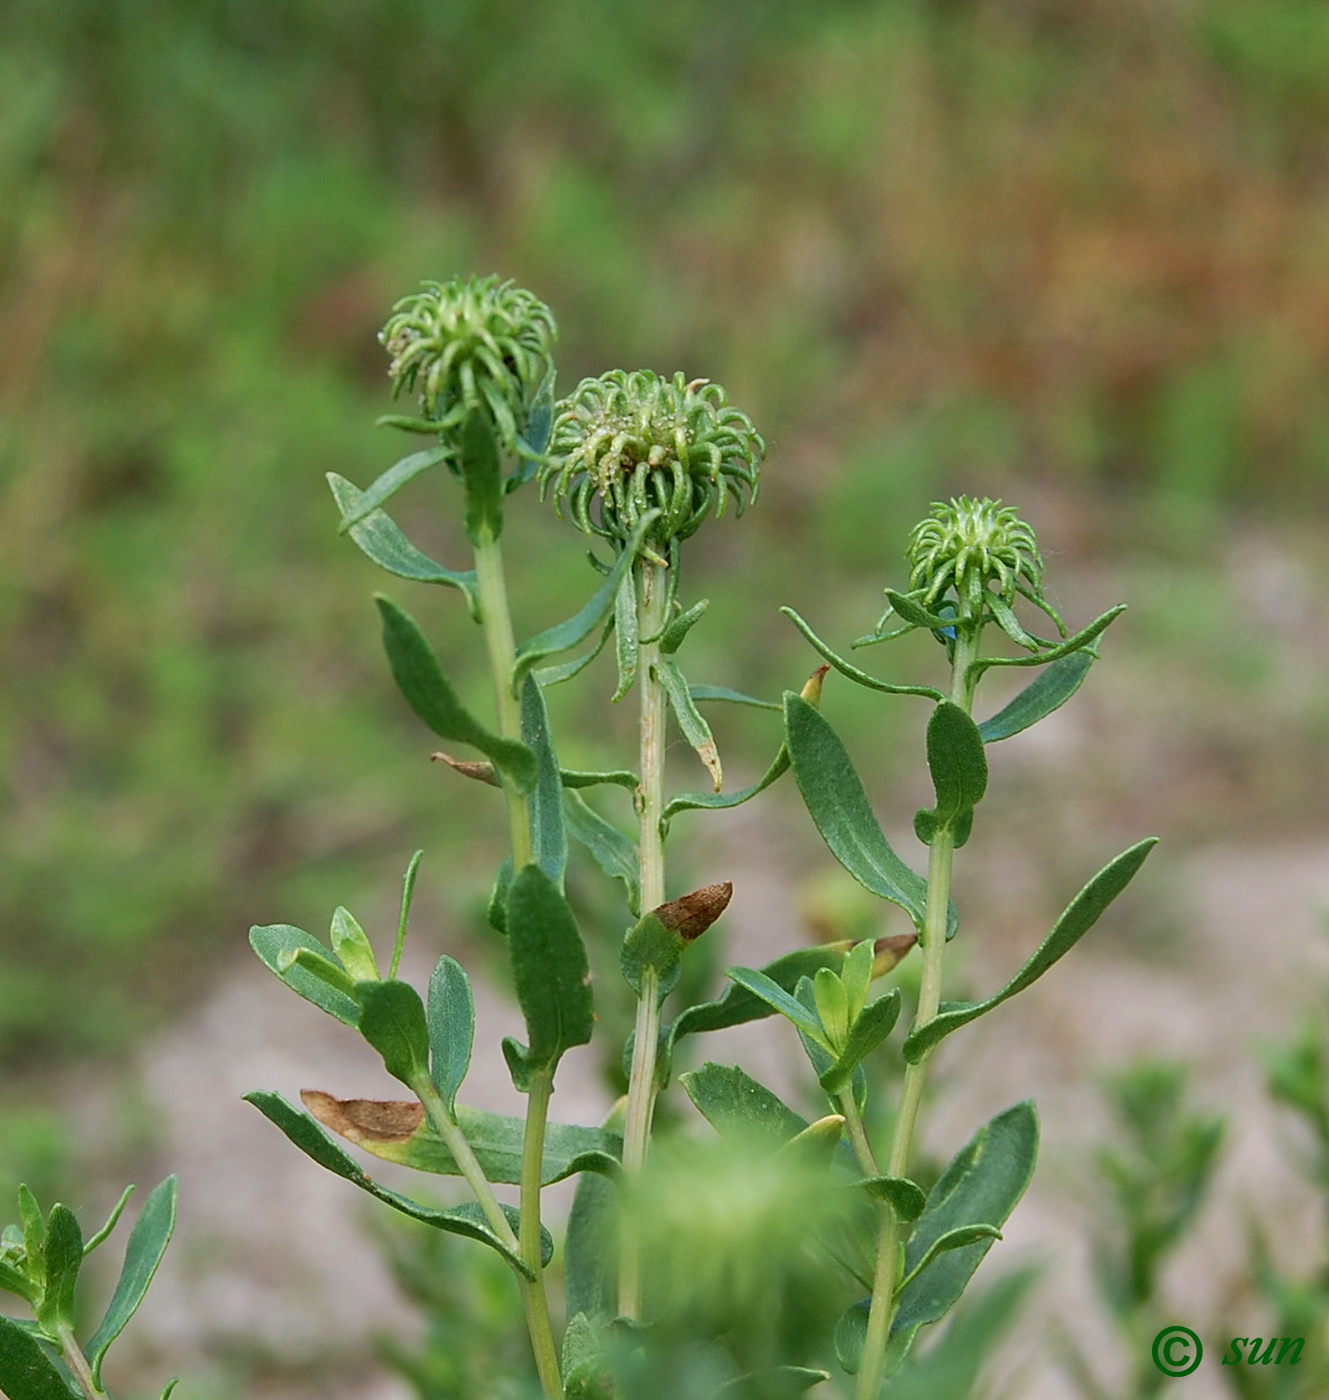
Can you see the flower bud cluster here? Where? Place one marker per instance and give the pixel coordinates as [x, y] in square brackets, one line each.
[628, 443]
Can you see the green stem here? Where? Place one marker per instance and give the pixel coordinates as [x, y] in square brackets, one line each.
[78, 1365]
[652, 596]
[533, 1294]
[497, 620]
[941, 857]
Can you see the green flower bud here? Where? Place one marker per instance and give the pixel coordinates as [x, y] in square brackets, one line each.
[478, 343]
[626, 444]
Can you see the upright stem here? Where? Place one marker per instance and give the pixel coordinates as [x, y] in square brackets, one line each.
[651, 598]
[497, 620]
[533, 1294]
[941, 857]
[73, 1357]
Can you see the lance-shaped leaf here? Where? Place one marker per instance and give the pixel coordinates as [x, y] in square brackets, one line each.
[916, 615]
[1080, 916]
[846, 668]
[774, 1383]
[64, 1259]
[873, 1025]
[27, 1370]
[143, 1254]
[959, 770]
[695, 729]
[482, 477]
[399, 1131]
[565, 671]
[584, 1366]
[736, 1106]
[534, 439]
[277, 946]
[1048, 692]
[959, 1238]
[112, 1221]
[551, 974]
[1073, 644]
[627, 636]
[467, 1220]
[450, 1017]
[839, 807]
[1005, 618]
[381, 539]
[616, 777]
[657, 940]
[804, 1017]
[904, 1197]
[582, 623]
[351, 946]
[387, 485]
[676, 632]
[613, 852]
[392, 1020]
[722, 694]
[549, 837]
[416, 669]
[981, 1186]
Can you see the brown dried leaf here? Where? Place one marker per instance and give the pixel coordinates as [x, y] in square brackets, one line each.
[890, 952]
[364, 1120]
[482, 772]
[694, 913]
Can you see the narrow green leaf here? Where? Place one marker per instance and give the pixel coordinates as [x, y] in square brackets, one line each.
[392, 1020]
[736, 1106]
[872, 1027]
[649, 944]
[583, 1364]
[981, 1186]
[590, 1250]
[407, 895]
[416, 669]
[381, 539]
[905, 1197]
[695, 729]
[351, 946]
[496, 912]
[276, 945]
[1010, 624]
[388, 484]
[774, 1383]
[169, 1387]
[779, 1000]
[738, 1005]
[676, 632]
[450, 1018]
[609, 848]
[959, 774]
[618, 777]
[27, 1371]
[1049, 691]
[34, 1230]
[627, 636]
[580, 626]
[531, 443]
[1073, 644]
[405, 423]
[851, 1334]
[549, 837]
[496, 1139]
[845, 668]
[556, 675]
[722, 694]
[482, 477]
[64, 1259]
[112, 1221]
[467, 1220]
[1080, 916]
[319, 966]
[839, 807]
[147, 1244]
[715, 801]
[549, 968]
[916, 615]
[959, 1238]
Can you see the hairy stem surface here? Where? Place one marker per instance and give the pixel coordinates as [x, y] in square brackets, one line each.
[651, 598]
[941, 857]
[79, 1368]
[533, 1294]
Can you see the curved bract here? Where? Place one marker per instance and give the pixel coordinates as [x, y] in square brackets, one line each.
[471, 344]
[628, 443]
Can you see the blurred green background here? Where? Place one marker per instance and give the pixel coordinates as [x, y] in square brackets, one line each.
[1071, 249]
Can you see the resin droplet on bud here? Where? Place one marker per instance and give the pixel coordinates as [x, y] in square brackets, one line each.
[626, 444]
[473, 344]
